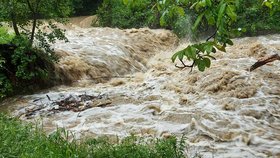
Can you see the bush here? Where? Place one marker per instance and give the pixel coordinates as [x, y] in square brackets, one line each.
[117, 14]
[256, 18]
[252, 16]
[22, 67]
[141, 13]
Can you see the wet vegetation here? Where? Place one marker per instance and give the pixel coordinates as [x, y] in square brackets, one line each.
[23, 68]
[22, 140]
[250, 15]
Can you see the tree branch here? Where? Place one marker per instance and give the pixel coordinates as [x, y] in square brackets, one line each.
[13, 18]
[30, 6]
[184, 65]
[35, 17]
[264, 61]
[213, 35]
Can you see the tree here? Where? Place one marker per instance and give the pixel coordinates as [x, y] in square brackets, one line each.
[24, 17]
[29, 62]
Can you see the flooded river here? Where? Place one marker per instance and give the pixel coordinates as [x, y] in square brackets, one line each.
[126, 84]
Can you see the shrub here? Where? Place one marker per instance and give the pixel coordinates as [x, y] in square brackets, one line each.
[141, 13]
[117, 14]
[22, 67]
[256, 18]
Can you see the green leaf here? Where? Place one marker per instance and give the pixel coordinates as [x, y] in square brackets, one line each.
[126, 2]
[190, 52]
[200, 65]
[199, 18]
[230, 11]
[207, 62]
[184, 2]
[179, 54]
[203, 3]
[220, 47]
[208, 47]
[268, 4]
[193, 5]
[208, 3]
[221, 14]
[210, 17]
[174, 56]
[180, 10]
[162, 21]
[199, 47]
[229, 42]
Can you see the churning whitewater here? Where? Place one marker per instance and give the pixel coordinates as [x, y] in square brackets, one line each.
[125, 83]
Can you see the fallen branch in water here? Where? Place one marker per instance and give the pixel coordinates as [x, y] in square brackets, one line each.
[264, 61]
[75, 103]
[81, 102]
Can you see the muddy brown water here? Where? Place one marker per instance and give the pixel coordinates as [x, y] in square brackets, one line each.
[225, 111]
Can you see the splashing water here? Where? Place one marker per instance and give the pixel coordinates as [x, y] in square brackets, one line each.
[226, 111]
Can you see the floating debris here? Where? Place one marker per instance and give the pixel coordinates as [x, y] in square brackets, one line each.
[75, 103]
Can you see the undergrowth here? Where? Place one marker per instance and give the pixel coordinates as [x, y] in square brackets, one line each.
[24, 140]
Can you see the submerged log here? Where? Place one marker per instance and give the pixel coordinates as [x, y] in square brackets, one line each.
[264, 61]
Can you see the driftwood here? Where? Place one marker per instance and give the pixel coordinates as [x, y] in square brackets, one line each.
[264, 61]
[78, 103]
[75, 103]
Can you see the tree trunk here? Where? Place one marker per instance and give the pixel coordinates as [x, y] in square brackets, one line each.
[14, 22]
[35, 13]
[33, 28]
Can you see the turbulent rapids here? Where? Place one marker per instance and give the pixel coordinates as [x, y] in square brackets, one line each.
[125, 83]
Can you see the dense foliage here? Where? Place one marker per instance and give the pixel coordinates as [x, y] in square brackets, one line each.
[22, 67]
[25, 15]
[141, 13]
[181, 15]
[26, 54]
[85, 7]
[18, 140]
[256, 18]
[117, 14]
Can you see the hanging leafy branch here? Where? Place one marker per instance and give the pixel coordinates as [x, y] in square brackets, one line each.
[219, 14]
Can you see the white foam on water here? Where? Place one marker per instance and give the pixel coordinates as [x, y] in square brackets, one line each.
[225, 111]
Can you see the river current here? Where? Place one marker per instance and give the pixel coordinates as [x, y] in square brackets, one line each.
[226, 111]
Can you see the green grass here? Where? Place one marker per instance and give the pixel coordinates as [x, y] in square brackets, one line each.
[20, 140]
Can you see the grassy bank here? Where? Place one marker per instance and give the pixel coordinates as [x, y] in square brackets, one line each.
[21, 140]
